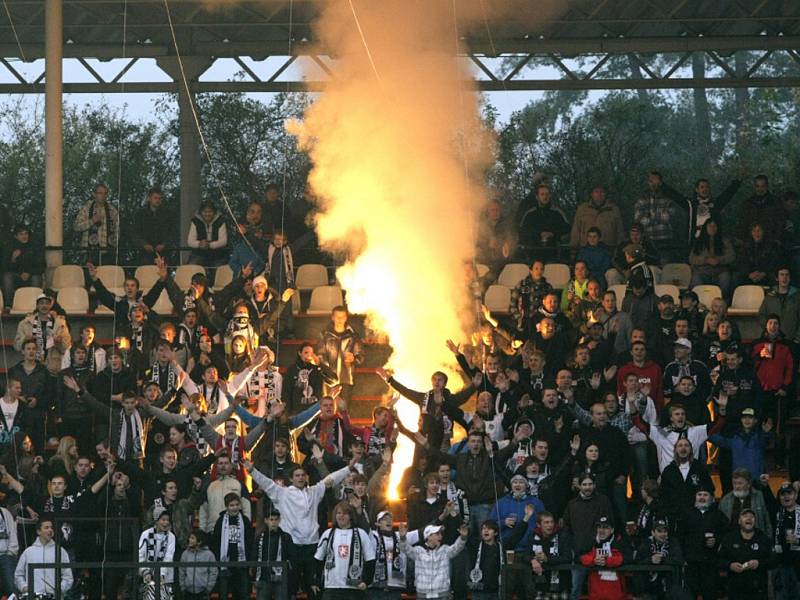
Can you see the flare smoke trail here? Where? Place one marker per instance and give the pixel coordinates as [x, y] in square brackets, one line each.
[399, 154]
[397, 146]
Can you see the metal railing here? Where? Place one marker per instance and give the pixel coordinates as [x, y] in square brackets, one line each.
[155, 567]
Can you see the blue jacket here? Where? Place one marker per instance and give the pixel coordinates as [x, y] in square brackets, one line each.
[506, 506]
[242, 254]
[747, 449]
[598, 260]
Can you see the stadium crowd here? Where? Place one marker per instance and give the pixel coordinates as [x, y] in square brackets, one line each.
[575, 455]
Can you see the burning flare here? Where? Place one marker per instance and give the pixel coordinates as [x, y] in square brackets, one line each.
[392, 174]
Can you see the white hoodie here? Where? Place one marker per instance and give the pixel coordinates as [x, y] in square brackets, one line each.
[44, 580]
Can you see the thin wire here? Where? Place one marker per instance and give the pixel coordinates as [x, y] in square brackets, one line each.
[109, 485]
[14, 29]
[364, 41]
[491, 39]
[202, 137]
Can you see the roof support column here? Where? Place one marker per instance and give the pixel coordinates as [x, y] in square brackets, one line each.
[188, 138]
[53, 131]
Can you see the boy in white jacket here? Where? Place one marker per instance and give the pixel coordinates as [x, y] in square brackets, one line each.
[43, 550]
[9, 548]
[432, 561]
[157, 544]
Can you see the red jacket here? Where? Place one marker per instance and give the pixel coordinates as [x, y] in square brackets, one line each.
[605, 585]
[365, 433]
[649, 373]
[776, 372]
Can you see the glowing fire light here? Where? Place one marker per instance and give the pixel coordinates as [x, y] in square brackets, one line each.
[391, 180]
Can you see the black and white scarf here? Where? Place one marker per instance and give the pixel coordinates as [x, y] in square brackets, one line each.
[212, 397]
[194, 433]
[156, 544]
[381, 562]
[232, 533]
[263, 545]
[658, 548]
[172, 377]
[288, 263]
[780, 529]
[261, 384]
[41, 334]
[137, 434]
[137, 336]
[95, 239]
[355, 566]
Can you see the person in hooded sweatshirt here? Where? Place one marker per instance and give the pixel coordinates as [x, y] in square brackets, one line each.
[511, 508]
[197, 582]
[605, 552]
[43, 550]
[208, 237]
[389, 580]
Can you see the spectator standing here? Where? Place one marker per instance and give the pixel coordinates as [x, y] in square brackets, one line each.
[787, 544]
[340, 350]
[605, 552]
[711, 258]
[760, 257]
[197, 583]
[655, 211]
[764, 208]
[232, 540]
[782, 300]
[746, 554]
[595, 254]
[157, 545]
[541, 228]
[152, 228]
[702, 206]
[22, 264]
[431, 560]
[701, 529]
[43, 550]
[600, 213]
[495, 238]
[208, 237]
[98, 224]
[746, 497]
[9, 547]
[636, 238]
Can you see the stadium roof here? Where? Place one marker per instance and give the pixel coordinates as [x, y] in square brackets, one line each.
[596, 30]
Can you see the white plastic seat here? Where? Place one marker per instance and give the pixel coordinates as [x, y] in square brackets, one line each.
[163, 306]
[498, 298]
[619, 289]
[706, 293]
[679, 274]
[147, 276]
[324, 299]
[112, 276]
[666, 288]
[222, 277]
[74, 300]
[102, 309]
[747, 300]
[512, 274]
[481, 269]
[311, 276]
[557, 275]
[656, 271]
[184, 273]
[66, 276]
[25, 300]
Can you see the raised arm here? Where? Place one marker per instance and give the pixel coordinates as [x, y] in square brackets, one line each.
[413, 395]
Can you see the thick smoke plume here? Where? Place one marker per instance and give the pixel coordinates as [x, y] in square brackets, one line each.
[397, 148]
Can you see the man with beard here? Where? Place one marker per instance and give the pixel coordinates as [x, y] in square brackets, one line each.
[787, 544]
[550, 309]
[745, 496]
[580, 518]
[701, 528]
[660, 330]
[683, 478]
[746, 553]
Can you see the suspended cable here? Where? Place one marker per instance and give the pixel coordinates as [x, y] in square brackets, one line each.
[14, 30]
[364, 41]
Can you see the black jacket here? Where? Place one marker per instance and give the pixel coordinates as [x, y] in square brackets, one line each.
[30, 260]
[692, 529]
[678, 494]
[216, 537]
[265, 548]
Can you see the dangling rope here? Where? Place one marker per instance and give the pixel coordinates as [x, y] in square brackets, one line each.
[14, 30]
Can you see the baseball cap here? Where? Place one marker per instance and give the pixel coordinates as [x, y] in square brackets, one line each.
[43, 297]
[748, 412]
[159, 512]
[747, 510]
[382, 514]
[430, 530]
[604, 522]
[683, 342]
[786, 488]
[660, 524]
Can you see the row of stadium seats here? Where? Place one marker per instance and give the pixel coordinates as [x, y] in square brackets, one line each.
[75, 300]
[308, 276]
[747, 299]
[558, 274]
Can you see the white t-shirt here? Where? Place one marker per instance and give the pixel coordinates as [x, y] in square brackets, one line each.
[337, 576]
[397, 578]
[10, 410]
